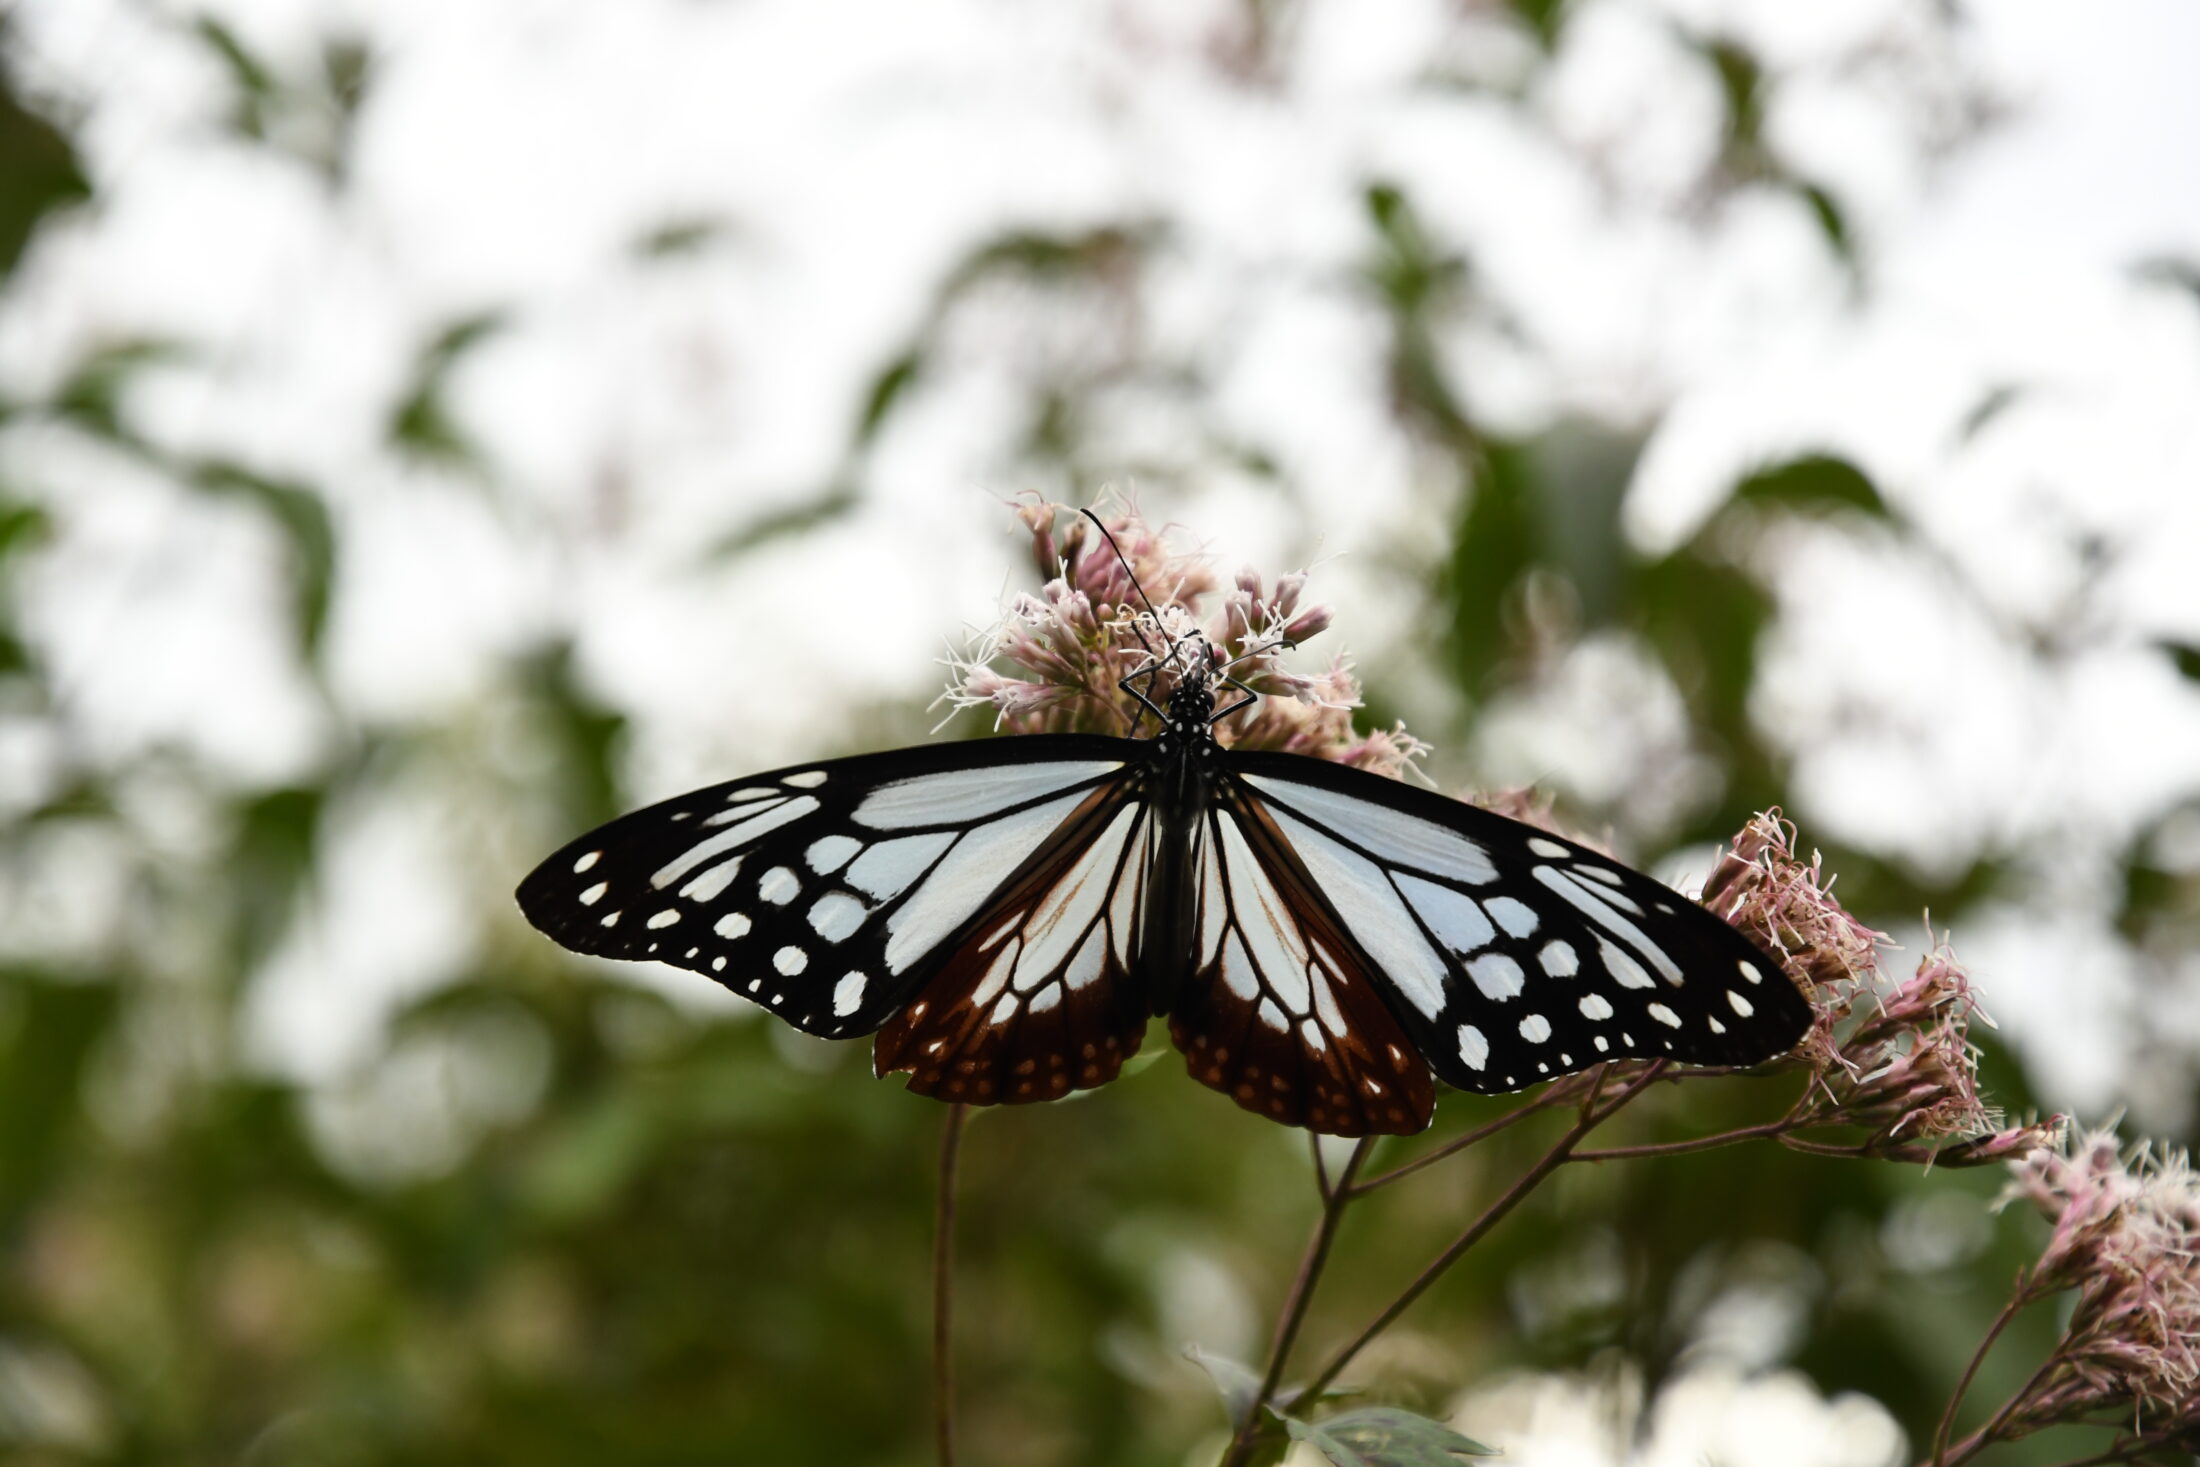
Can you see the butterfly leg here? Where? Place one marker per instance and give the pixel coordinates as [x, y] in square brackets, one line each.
[1247, 701]
[1149, 671]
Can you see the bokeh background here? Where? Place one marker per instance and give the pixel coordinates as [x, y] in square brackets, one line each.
[429, 428]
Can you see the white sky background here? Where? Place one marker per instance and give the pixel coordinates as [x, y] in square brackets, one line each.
[513, 151]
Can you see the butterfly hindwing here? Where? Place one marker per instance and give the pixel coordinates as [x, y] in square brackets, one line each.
[830, 892]
[1038, 997]
[1284, 1014]
[1512, 956]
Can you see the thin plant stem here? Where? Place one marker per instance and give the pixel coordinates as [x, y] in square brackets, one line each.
[943, 1289]
[1592, 1115]
[2128, 1450]
[1335, 1198]
[1978, 1441]
[1683, 1148]
[1970, 1371]
[1455, 1146]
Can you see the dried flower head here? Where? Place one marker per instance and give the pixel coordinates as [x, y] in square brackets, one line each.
[2126, 1236]
[1071, 645]
[1906, 1072]
[1761, 888]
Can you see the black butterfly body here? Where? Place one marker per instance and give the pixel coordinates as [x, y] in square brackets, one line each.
[1005, 915]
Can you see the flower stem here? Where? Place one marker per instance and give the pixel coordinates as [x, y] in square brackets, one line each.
[1592, 1116]
[1970, 1371]
[1683, 1148]
[943, 1289]
[1457, 1144]
[1336, 1196]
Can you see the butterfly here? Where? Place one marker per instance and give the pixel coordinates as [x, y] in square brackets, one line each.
[1005, 915]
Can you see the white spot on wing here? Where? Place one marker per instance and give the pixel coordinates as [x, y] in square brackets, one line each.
[739, 812]
[965, 877]
[779, 886]
[1598, 910]
[1273, 1016]
[585, 862]
[1515, 916]
[963, 795]
[1665, 1016]
[1237, 970]
[836, 915]
[1071, 909]
[1473, 1047]
[1497, 975]
[1535, 1028]
[1373, 910]
[1311, 1032]
[831, 852]
[1451, 914]
[1599, 873]
[1716, 1026]
[665, 918]
[1047, 998]
[732, 925]
[848, 994]
[996, 977]
[1750, 972]
[739, 834]
[1559, 959]
[1404, 840]
[594, 894]
[808, 779]
[1549, 848]
[1625, 969]
[889, 868]
[1595, 1006]
[706, 887]
[790, 960]
[1740, 1004]
[1090, 962]
[1270, 932]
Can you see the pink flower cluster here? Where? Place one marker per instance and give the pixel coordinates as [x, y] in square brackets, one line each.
[1893, 1059]
[2126, 1238]
[1071, 645]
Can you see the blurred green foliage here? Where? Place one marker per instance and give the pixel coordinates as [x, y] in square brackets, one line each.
[645, 1235]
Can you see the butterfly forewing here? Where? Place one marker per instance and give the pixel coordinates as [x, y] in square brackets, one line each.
[1036, 998]
[1511, 956]
[828, 893]
[1284, 1014]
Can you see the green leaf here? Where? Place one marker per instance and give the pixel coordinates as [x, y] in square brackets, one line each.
[1544, 18]
[835, 503]
[888, 388]
[1237, 1384]
[422, 424]
[38, 173]
[257, 91]
[22, 527]
[91, 397]
[1386, 1436]
[2185, 655]
[305, 522]
[686, 236]
[1833, 221]
[1813, 482]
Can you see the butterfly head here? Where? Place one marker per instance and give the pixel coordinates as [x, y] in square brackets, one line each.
[1192, 700]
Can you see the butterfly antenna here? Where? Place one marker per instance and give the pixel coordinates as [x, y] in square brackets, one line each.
[1141, 590]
